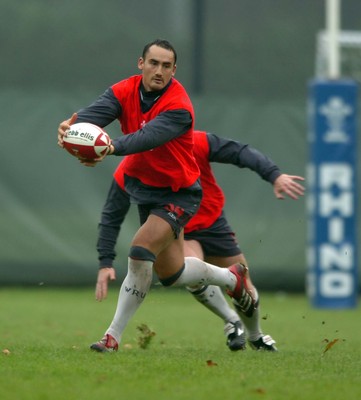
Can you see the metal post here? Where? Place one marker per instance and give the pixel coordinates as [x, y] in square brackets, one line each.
[198, 45]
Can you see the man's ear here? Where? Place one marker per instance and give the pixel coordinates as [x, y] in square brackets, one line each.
[140, 63]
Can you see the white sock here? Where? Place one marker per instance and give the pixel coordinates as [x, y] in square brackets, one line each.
[212, 297]
[252, 324]
[131, 295]
[199, 273]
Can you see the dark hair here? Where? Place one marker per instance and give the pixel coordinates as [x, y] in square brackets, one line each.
[164, 44]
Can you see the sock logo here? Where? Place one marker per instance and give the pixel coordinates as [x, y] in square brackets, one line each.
[135, 292]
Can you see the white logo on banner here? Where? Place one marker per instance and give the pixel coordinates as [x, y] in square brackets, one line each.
[335, 111]
[337, 254]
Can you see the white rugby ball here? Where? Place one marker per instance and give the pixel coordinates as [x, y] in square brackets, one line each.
[85, 140]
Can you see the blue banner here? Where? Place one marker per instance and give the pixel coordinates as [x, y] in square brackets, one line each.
[332, 279]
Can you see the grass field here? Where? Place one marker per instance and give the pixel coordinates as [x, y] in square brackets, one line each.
[45, 336]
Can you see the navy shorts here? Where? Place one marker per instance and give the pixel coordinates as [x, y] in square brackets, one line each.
[177, 208]
[218, 240]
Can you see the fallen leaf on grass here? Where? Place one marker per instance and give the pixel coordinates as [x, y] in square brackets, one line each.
[210, 363]
[146, 336]
[329, 344]
[101, 378]
[260, 391]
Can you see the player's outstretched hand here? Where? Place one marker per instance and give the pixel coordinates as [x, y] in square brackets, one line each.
[101, 289]
[63, 127]
[287, 184]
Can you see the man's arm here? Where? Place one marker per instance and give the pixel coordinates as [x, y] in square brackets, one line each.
[232, 152]
[112, 217]
[113, 214]
[102, 112]
[105, 109]
[229, 151]
[162, 129]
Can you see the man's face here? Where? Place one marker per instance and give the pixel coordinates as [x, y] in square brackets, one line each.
[157, 68]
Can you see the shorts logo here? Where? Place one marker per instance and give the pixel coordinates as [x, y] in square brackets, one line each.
[174, 211]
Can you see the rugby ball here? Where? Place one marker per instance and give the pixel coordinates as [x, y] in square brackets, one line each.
[85, 140]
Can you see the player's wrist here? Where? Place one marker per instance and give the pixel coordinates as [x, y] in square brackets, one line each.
[105, 266]
[106, 262]
[111, 150]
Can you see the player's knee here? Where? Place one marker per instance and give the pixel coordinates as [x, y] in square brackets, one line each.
[141, 253]
[172, 279]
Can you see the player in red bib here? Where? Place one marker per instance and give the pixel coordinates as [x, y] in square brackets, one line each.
[207, 235]
[161, 177]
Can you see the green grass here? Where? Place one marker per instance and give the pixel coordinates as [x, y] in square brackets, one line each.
[48, 332]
